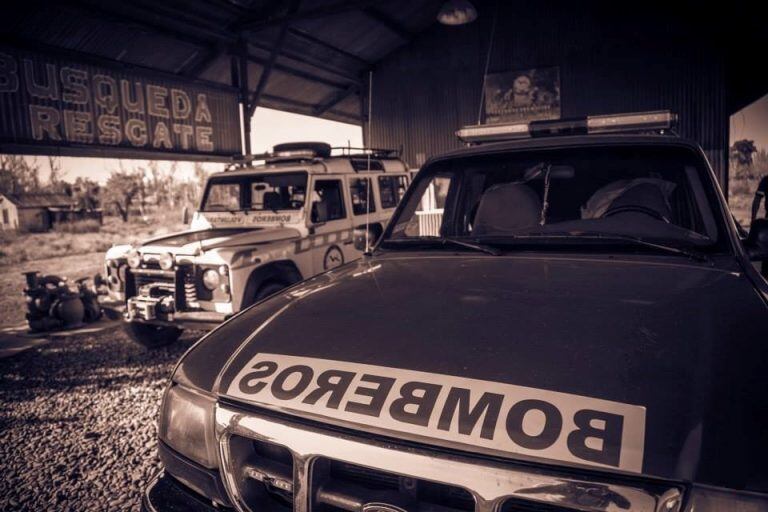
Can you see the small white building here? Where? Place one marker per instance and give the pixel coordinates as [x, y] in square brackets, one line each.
[33, 212]
[9, 214]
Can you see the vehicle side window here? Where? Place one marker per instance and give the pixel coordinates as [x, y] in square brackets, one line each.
[223, 197]
[391, 190]
[427, 217]
[360, 190]
[327, 201]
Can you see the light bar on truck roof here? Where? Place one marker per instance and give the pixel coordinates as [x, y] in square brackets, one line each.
[656, 121]
[640, 121]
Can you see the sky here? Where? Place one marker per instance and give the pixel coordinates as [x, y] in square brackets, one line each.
[752, 123]
[268, 127]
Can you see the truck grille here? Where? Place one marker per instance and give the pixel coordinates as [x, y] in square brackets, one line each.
[274, 464]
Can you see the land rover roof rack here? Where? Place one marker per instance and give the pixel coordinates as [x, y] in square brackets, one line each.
[659, 121]
[349, 151]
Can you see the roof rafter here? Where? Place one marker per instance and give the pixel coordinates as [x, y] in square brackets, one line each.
[267, 71]
[259, 22]
[319, 42]
[388, 22]
[335, 100]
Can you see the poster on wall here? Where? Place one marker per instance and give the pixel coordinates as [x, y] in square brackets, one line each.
[526, 95]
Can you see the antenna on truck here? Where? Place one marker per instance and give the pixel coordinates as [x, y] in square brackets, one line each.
[368, 182]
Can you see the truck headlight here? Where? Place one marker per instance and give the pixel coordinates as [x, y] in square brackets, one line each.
[133, 258]
[186, 424]
[165, 261]
[211, 279]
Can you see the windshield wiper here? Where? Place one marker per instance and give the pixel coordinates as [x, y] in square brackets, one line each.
[696, 255]
[443, 241]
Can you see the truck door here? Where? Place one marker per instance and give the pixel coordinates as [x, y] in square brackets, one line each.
[330, 225]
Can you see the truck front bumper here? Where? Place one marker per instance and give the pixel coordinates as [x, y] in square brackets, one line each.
[166, 494]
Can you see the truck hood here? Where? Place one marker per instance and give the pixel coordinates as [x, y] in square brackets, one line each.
[192, 242]
[675, 348]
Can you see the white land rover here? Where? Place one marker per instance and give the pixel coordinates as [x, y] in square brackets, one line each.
[259, 229]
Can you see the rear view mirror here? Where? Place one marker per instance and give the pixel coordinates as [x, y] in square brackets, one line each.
[365, 237]
[359, 239]
[757, 241]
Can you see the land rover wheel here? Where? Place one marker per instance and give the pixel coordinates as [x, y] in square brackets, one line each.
[152, 336]
[268, 289]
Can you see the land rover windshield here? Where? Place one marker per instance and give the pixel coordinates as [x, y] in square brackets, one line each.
[266, 192]
[653, 197]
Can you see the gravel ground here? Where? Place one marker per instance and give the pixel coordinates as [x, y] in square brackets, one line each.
[78, 422]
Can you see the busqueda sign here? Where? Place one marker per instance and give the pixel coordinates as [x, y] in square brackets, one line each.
[85, 105]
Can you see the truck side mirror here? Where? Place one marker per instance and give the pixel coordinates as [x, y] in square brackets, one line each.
[757, 241]
[358, 238]
[185, 215]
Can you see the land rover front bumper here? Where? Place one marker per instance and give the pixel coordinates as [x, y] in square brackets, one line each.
[161, 311]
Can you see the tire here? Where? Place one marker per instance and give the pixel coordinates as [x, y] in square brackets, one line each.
[152, 336]
[267, 289]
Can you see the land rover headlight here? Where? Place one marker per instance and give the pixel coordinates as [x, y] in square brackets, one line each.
[165, 261]
[211, 279]
[133, 258]
[186, 424]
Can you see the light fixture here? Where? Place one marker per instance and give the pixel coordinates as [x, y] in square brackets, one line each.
[457, 12]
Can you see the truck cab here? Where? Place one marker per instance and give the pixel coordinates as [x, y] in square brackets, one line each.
[259, 228]
[560, 317]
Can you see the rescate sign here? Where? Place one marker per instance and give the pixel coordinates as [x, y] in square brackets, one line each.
[498, 416]
[71, 104]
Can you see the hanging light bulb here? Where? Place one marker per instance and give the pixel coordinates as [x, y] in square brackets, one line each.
[457, 12]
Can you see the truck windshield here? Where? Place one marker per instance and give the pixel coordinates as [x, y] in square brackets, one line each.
[606, 194]
[270, 192]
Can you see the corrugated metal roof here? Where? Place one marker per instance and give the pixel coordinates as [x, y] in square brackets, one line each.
[328, 48]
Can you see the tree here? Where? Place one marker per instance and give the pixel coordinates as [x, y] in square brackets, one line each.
[56, 177]
[122, 188]
[85, 193]
[19, 174]
[742, 151]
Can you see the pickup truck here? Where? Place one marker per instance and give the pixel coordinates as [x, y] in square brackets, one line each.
[560, 317]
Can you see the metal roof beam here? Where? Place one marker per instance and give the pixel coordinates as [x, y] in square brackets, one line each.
[202, 61]
[344, 74]
[319, 42]
[267, 71]
[389, 23]
[258, 22]
[301, 107]
[297, 73]
[176, 28]
[335, 100]
[190, 37]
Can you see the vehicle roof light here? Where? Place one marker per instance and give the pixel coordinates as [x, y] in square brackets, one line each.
[493, 132]
[299, 153]
[639, 121]
[656, 121]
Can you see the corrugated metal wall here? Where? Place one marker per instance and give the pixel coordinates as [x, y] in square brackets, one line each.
[610, 61]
